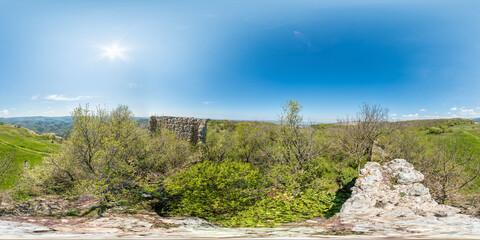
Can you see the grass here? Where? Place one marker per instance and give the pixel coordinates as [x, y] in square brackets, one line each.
[29, 149]
[467, 135]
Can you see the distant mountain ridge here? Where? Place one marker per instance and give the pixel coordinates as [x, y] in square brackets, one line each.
[39, 124]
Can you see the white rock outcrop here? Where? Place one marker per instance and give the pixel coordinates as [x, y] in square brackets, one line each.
[392, 198]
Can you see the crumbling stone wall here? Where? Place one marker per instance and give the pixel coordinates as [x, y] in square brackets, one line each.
[190, 129]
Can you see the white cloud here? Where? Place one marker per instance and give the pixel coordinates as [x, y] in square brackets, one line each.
[394, 115]
[207, 102]
[453, 109]
[55, 97]
[4, 112]
[468, 112]
[423, 110]
[410, 116]
[35, 97]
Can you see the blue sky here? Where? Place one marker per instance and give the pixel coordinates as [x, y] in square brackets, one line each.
[241, 59]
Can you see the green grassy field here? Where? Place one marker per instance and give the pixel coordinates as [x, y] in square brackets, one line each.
[28, 149]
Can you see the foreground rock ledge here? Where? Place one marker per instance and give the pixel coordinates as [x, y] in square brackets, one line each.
[387, 201]
[391, 199]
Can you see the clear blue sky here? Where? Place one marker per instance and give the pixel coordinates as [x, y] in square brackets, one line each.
[241, 59]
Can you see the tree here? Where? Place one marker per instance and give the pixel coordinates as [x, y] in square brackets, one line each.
[292, 152]
[450, 168]
[358, 134]
[100, 155]
[165, 155]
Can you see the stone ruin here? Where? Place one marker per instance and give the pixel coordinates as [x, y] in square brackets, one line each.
[190, 129]
[391, 198]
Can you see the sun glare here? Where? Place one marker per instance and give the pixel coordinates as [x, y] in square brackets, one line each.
[114, 51]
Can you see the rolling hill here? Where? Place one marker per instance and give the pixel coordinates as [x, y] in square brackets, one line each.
[28, 148]
[57, 125]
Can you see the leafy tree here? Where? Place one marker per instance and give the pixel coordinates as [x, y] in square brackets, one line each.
[100, 156]
[359, 133]
[292, 155]
[165, 155]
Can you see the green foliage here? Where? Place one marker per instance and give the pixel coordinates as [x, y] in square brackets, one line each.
[347, 175]
[394, 180]
[292, 153]
[165, 154]
[283, 208]
[211, 189]
[435, 130]
[379, 204]
[49, 136]
[403, 194]
[245, 138]
[99, 157]
[250, 174]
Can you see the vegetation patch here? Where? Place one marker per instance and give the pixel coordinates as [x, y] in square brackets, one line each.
[254, 174]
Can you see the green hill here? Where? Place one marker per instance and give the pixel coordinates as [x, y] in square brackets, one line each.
[28, 148]
[57, 125]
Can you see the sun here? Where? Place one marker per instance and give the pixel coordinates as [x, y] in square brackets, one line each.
[114, 51]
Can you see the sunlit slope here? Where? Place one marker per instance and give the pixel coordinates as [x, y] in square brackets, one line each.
[28, 148]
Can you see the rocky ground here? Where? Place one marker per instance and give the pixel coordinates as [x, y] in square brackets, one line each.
[388, 201]
[391, 199]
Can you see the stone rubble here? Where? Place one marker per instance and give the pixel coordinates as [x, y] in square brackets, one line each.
[391, 199]
[47, 206]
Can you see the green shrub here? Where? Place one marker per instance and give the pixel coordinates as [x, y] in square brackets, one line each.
[165, 154]
[283, 208]
[48, 136]
[347, 175]
[435, 130]
[216, 190]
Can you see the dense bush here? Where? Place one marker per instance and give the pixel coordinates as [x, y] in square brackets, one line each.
[211, 189]
[435, 130]
[164, 155]
[274, 210]
[48, 136]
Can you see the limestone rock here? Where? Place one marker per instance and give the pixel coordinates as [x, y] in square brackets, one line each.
[391, 198]
[45, 206]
